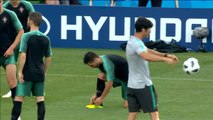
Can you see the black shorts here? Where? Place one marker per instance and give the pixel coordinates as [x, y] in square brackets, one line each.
[145, 99]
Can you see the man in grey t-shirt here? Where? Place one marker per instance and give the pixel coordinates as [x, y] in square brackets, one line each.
[141, 93]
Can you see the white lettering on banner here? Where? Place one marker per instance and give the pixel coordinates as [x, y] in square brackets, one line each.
[189, 30]
[112, 30]
[163, 30]
[95, 28]
[65, 27]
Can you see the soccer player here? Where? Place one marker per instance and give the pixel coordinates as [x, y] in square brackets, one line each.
[113, 72]
[22, 10]
[140, 92]
[11, 31]
[32, 69]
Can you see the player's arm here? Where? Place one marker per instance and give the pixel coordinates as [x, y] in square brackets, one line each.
[20, 31]
[155, 58]
[48, 55]
[162, 54]
[100, 99]
[108, 86]
[110, 75]
[46, 63]
[22, 60]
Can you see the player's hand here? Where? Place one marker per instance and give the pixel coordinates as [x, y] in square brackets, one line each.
[173, 57]
[9, 52]
[171, 61]
[21, 77]
[98, 101]
[92, 99]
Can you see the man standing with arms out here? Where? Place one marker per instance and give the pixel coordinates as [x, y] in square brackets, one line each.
[140, 92]
[22, 10]
[32, 70]
[114, 71]
[11, 31]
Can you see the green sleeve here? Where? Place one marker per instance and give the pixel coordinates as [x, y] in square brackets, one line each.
[29, 6]
[15, 20]
[23, 43]
[109, 68]
[6, 4]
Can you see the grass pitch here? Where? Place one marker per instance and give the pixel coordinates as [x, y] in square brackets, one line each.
[70, 84]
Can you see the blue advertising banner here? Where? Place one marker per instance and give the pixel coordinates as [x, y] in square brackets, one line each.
[108, 27]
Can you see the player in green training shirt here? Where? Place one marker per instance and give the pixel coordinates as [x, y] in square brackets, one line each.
[11, 31]
[22, 10]
[34, 47]
[113, 73]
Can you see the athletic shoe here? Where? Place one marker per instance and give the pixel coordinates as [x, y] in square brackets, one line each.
[8, 95]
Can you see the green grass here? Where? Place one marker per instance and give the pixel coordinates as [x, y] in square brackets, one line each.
[70, 84]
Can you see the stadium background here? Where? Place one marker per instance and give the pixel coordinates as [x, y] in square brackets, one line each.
[70, 83]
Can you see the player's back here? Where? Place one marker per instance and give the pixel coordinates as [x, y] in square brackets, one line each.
[37, 47]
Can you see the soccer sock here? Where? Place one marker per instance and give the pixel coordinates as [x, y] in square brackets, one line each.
[16, 111]
[13, 92]
[41, 110]
[100, 87]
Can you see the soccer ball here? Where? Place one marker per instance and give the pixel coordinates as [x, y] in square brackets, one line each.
[191, 66]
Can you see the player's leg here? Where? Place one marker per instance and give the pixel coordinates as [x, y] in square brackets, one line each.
[154, 115]
[10, 67]
[133, 104]
[132, 115]
[23, 89]
[17, 105]
[124, 94]
[38, 91]
[11, 78]
[100, 86]
[15, 55]
[149, 102]
[41, 107]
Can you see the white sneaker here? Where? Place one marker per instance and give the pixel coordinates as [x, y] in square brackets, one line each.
[8, 95]
[19, 118]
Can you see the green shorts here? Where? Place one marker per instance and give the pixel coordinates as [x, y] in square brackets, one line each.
[2, 60]
[123, 85]
[11, 59]
[28, 87]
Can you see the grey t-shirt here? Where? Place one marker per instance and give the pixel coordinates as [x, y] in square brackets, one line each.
[139, 76]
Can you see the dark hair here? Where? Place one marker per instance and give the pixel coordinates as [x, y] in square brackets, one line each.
[36, 17]
[89, 57]
[141, 23]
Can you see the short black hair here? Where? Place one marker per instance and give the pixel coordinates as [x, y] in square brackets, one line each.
[36, 17]
[89, 57]
[141, 23]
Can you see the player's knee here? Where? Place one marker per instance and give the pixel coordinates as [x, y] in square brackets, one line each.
[19, 98]
[102, 76]
[39, 98]
[12, 83]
